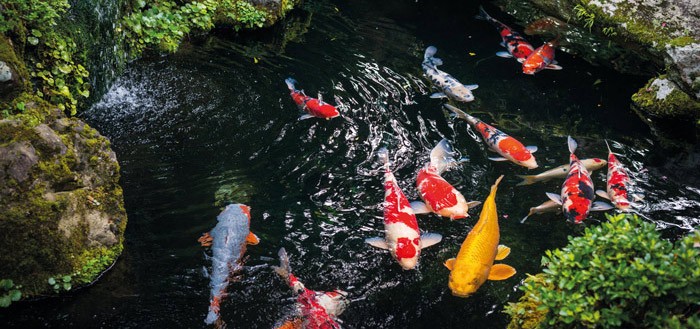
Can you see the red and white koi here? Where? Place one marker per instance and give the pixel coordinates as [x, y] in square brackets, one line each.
[576, 197]
[560, 172]
[228, 240]
[317, 309]
[618, 182]
[540, 59]
[508, 147]
[438, 195]
[403, 238]
[314, 107]
[517, 46]
[451, 87]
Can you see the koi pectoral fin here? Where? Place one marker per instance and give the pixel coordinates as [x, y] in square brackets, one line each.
[471, 87]
[503, 252]
[553, 67]
[305, 116]
[501, 272]
[472, 204]
[438, 95]
[601, 206]
[554, 197]
[377, 242]
[602, 194]
[531, 148]
[521, 60]
[449, 263]
[504, 54]
[252, 239]
[205, 240]
[497, 159]
[420, 207]
[429, 239]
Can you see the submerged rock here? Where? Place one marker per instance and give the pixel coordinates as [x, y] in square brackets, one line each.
[62, 211]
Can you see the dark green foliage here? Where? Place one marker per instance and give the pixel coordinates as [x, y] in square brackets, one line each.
[9, 292]
[619, 274]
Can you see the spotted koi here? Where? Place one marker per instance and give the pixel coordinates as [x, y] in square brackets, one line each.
[451, 87]
[540, 59]
[317, 309]
[516, 45]
[508, 147]
[577, 193]
[403, 238]
[618, 182]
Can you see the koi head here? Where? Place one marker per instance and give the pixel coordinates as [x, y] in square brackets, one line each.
[465, 287]
[460, 94]
[531, 67]
[334, 302]
[530, 163]
[407, 252]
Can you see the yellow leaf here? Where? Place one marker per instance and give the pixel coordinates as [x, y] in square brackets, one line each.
[255, 60]
[472, 54]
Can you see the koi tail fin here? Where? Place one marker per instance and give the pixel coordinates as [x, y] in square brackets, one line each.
[213, 315]
[429, 59]
[494, 187]
[284, 269]
[572, 144]
[461, 114]
[290, 83]
[383, 155]
[483, 15]
[527, 180]
[441, 156]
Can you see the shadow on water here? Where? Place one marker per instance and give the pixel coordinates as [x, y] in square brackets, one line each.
[207, 125]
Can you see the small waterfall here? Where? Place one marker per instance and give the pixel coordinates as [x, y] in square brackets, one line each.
[96, 22]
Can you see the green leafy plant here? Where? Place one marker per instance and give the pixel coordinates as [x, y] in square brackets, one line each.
[9, 292]
[58, 283]
[247, 15]
[619, 274]
[585, 16]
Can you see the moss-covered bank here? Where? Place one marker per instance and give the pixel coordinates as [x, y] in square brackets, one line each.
[62, 216]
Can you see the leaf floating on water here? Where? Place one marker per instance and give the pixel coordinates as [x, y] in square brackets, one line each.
[597, 82]
[255, 60]
[472, 54]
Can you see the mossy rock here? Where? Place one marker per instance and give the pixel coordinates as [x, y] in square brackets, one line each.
[62, 209]
[15, 78]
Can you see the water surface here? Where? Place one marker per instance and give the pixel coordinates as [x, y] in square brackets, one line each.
[209, 125]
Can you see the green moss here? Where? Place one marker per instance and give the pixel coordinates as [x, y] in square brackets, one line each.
[677, 104]
[7, 55]
[681, 41]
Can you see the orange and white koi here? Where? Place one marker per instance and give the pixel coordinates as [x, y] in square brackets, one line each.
[576, 197]
[438, 195]
[517, 46]
[618, 182]
[403, 238]
[314, 107]
[540, 59]
[451, 87]
[228, 240]
[318, 309]
[560, 172]
[508, 147]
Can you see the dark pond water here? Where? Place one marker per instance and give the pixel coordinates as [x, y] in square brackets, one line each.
[209, 124]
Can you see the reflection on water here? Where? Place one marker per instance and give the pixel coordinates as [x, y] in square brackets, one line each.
[206, 126]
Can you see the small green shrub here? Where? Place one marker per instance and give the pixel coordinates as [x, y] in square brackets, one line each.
[9, 292]
[584, 15]
[619, 274]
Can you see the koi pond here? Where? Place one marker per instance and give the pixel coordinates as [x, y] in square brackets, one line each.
[214, 124]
